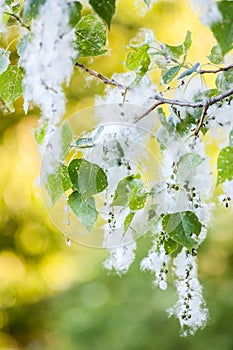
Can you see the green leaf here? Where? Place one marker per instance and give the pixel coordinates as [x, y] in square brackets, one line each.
[83, 209]
[181, 226]
[224, 80]
[84, 142]
[15, 7]
[91, 36]
[11, 85]
[75, 9]
[170, 74]
[4, 60]
[223, 30]
[105, 9]
[175, 51]
[87, 177]
[66, 139]
[231, 138]
[216, 56]
[32, 8]
[139, 60]
[188, 41]
[170, 246]
[225, 165]
[22, 44]
[40, 133]
[187, 165]
[137, 199]
[129, 192]
[57, 183]
[88, 142]
[125, 187]
[128, 221]
[65, 178]
[189, 71]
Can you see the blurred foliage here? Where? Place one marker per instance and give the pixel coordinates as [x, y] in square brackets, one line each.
[58, 297]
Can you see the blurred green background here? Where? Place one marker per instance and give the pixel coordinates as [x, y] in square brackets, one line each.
[54, 297]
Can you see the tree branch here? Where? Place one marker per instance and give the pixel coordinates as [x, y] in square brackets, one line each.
[148, 111]
[99, 76]
[214, 71]
[203, 104]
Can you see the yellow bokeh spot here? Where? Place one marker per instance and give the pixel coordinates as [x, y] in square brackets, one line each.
[12, 269]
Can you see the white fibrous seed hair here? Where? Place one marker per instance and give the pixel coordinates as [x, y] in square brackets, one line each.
[207, 10]
[120, 258]
[48, 63]
[157, 261]
[190, 308]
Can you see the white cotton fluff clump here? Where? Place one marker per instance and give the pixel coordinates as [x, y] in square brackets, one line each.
[221, 123]
[48, 62]
[207, 10]
[120, 258]
[139, 95]
[157, 261]
[2, 8]
[228, 188]
[227, 197]
[190, 308]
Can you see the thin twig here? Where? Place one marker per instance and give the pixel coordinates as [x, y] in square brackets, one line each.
[204, 112]
[18, 19]
[100, 76]
[209, 102]
[214, 71]
[148, 111]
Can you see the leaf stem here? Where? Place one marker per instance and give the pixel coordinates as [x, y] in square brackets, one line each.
[18, 19]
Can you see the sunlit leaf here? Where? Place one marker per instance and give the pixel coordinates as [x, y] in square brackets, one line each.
[175, 51]
[224, 165]
[188, 41]
[11, 85]
[138, 60]
[128, 220]
[90, 36]
[40, 133]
